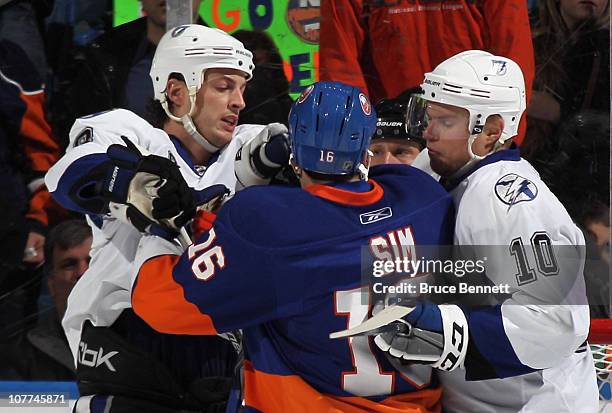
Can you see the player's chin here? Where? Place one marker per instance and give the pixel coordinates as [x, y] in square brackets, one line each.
[438, 165]
[223, 136]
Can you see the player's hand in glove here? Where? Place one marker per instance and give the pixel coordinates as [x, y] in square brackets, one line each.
[261, 158]
[147, 191]
[436, 335]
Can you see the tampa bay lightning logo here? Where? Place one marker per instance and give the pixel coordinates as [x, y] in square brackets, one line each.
[178, 30]
[512, 189]
[500, 67]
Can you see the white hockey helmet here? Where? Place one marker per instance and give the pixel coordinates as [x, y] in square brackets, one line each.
[190, 50]
[484, 85]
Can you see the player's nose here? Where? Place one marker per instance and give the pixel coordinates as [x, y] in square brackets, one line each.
[428, 133]
[237, 100]
[390, 158]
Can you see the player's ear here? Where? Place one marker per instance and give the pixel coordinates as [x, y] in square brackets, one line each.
[177, 93]
[492, 130]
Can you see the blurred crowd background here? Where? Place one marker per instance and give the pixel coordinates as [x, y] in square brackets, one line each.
[63, 59]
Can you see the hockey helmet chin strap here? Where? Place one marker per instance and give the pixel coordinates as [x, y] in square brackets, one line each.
[188, 124]
[474, 159]
[364, 167]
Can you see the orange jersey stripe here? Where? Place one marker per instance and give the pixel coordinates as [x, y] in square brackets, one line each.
[345, 197]
[272, 393]
[41, 149]
[160, 301]
[44, 209]
[39, 200]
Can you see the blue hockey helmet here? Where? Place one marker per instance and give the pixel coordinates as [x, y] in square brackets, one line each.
[330, 126]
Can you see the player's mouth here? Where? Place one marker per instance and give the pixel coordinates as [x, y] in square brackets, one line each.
[229, 122]
[432, 153]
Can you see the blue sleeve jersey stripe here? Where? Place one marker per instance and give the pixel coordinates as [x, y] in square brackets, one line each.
[490, 354]
[77, 176]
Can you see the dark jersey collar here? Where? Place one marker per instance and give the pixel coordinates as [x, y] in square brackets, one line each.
[510, 154]
[183, 153]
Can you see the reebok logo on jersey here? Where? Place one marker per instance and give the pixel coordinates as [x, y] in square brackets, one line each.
[512, 189]
[95, 358]
[375, 216]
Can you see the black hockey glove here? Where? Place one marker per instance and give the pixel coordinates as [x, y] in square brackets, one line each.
[147, 191]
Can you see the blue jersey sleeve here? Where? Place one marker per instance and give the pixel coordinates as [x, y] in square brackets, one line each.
[221, 283]
[490, 354]
[76, 188]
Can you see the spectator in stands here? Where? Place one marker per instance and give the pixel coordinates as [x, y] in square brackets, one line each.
[572, 49]
[267, 95]
[18, 24]
[384, 47]
[42, 353]
[579, 175]
[114, 71]
[27, 151]
[595, 223]
[393, 142]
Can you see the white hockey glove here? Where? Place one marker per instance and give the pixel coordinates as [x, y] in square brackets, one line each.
[261, 158]
[443, 326]
[146, 191]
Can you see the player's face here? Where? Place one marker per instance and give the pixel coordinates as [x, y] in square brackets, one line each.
[393, 151]
[576, 11]
[218, 104]
[447, 136]
[68, 267]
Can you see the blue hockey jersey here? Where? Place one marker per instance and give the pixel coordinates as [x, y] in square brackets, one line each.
[284, 265]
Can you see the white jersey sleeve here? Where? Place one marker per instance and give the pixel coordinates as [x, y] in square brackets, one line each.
[71, 179]
[531, 246]
[103, 292]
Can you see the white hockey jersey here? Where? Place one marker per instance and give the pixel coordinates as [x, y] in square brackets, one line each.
[533, 343]
[104, 290]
